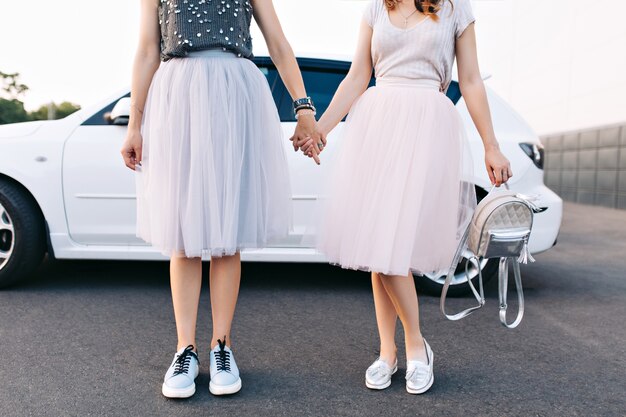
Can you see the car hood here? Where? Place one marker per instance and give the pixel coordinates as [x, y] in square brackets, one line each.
[16, 130]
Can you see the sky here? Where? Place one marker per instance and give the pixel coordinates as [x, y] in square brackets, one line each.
[545, 62]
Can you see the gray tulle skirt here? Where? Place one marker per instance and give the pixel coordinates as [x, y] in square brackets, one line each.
[214, 176]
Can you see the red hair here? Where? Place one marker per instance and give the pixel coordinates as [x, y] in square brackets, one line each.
[426, 7]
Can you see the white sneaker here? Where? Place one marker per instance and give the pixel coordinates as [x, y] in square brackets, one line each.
[378, 375]
[179, 378]
[224, 372]
[419, 375]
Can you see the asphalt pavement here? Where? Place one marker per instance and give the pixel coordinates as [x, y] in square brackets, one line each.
[87, 338]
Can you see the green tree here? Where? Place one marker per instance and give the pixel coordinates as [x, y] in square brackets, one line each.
[59, 111]
[12, 108]
[12, 111]
[11, 86]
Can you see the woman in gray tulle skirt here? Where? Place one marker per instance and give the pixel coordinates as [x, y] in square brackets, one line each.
[205, 141]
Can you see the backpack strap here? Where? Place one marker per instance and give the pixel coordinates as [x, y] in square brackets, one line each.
[503, 279]
[479, 295]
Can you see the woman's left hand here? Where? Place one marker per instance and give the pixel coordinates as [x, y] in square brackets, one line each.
[498, 166]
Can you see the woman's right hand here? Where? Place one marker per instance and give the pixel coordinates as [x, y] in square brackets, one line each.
[131, 150]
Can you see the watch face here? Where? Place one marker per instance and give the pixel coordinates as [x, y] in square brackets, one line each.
[303, 101]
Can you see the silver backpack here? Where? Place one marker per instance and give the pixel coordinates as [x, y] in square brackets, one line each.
[500, 228]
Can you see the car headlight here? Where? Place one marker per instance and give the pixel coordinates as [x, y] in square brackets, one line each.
[534, 152]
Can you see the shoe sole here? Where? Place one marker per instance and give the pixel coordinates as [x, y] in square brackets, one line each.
[422, 390]
[178, 392]
[225, 390]
[383, 386]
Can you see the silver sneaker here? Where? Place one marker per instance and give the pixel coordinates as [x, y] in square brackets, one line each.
[419, 375]
[378, 375]
[179, 381]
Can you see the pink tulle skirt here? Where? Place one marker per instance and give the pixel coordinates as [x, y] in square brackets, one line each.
[399, 196]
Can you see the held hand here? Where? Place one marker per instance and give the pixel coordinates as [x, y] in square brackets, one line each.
[314, 145]
[498, 166]
[131, 150]
[306, 131]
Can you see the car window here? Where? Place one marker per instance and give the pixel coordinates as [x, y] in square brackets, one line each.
[454, 92]
[272, 78]
[98, 118]
[321, 77]
[321, 84]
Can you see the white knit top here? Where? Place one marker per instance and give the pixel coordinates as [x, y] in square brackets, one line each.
[423, 51]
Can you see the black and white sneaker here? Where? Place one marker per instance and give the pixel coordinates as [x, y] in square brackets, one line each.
[179, 381]
[224, 372]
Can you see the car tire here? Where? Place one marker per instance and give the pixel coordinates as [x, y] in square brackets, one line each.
[22, 234]
[459, 287]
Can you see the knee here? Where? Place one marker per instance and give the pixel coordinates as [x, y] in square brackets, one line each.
[225, 258]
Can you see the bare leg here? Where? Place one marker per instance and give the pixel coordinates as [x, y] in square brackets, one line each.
[186, 281]
[386, 318]
[225, 278]
[401, 290]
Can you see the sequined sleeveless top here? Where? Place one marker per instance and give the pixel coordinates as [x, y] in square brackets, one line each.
[193, 25]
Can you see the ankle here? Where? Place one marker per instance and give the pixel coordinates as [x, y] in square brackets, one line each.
[183, 345]
[226, 339]
[389, 355]
[416, 349]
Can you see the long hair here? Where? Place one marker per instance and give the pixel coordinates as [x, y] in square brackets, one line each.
[426, 7]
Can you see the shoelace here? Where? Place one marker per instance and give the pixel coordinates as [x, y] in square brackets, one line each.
[181, 365]
[222, 356]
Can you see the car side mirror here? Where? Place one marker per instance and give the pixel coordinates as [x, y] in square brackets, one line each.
[120, 114]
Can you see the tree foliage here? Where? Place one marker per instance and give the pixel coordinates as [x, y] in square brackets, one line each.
[12, 108]
[12, 111]
[11, 86]
[59, 111]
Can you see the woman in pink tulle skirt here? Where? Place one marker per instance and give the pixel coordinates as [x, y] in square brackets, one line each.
[400, 194]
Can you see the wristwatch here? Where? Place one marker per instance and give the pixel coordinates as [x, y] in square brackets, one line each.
[303, 103]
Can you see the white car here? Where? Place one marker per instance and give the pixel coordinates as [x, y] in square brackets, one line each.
[64, 188]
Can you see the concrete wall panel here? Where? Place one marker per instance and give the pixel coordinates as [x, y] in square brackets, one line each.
[588, 167]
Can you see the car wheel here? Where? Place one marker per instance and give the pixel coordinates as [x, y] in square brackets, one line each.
[433, 284]
[22, 234]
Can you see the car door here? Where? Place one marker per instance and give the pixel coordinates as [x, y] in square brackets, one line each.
[98, 189]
